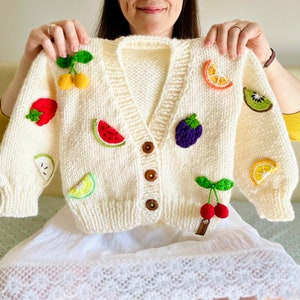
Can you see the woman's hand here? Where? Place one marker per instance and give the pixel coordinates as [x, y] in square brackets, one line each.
[233, 37]
[57, 39]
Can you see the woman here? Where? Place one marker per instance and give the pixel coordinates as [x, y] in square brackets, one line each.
[230, 37]
[67, 245]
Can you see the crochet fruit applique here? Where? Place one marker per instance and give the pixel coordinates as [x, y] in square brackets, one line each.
[107, 135]
[261, 169]
[213, 77]
[68, 80]
[45, 165]
[84, 188]
[256, 102]
[42, 111]
[188, 131]
[208, 211]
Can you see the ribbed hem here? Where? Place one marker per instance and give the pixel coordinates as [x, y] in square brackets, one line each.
[18, 204]
[292, 122]
[108, 215]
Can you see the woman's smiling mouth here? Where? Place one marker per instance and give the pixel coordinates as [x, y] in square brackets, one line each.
[151, 10]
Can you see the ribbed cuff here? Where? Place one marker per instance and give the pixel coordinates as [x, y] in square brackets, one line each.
[18, 204]
[275, 209]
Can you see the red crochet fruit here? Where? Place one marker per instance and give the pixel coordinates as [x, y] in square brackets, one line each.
[42, 111]
[221, 211]
[207, 211]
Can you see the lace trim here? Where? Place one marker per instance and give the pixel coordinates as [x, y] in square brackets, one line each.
[257, 273]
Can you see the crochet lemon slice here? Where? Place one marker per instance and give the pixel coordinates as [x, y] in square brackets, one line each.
[261, 169]
[84, 188]
[213, 77]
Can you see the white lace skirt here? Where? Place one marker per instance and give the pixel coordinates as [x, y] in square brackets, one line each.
[151, 262]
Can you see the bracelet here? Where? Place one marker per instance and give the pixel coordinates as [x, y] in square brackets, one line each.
[271, 58]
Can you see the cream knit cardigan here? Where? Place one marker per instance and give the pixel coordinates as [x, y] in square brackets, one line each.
[143, 87]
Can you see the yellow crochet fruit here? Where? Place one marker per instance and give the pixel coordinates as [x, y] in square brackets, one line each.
[80, 80]
[65, 81]
[213, 78]
[261, 169]
[84, 188]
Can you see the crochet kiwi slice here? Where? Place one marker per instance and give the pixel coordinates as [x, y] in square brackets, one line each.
[256, 101]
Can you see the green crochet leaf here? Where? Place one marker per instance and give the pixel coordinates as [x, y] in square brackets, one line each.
[192, 121]
[83, 57]
[34, 115]
[65, 62]
[204, 182]
[223, 185]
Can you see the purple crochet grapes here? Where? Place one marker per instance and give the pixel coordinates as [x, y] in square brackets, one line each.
[188, 131]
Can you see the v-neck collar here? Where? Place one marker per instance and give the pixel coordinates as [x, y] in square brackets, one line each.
[171, 92]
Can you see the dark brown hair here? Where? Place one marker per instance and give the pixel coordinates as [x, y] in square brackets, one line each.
[113, 24]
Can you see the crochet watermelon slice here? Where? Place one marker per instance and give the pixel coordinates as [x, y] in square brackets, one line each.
[107, 135]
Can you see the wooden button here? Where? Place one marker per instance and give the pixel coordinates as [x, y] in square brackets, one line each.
[148, 147]
[151, 175]
[152, 204]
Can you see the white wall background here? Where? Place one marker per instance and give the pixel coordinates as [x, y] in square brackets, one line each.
[279, 19]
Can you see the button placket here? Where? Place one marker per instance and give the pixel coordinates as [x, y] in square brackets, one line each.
[150, 175]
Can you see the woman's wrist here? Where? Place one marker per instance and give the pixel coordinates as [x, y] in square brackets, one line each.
[2, 114]
[10, 95]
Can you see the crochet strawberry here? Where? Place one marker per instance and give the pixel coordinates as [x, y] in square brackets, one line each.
[188, 131]
[42, 111]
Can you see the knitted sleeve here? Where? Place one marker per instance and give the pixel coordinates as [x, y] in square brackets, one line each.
[29, 151]
[265, 165]
[292, 122]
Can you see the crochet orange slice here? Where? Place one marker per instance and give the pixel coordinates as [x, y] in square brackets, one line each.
[213, 78]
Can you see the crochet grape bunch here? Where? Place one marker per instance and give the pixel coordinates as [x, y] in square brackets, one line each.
[188, 131]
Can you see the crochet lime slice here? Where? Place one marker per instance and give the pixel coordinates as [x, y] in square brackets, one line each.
[261, 169]
[213, 77]
[84, 188]
[256, 101]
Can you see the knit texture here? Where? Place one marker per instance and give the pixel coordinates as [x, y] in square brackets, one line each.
[139, 89]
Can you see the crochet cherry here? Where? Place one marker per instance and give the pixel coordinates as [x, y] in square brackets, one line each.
[207, 211]
[221, 211]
